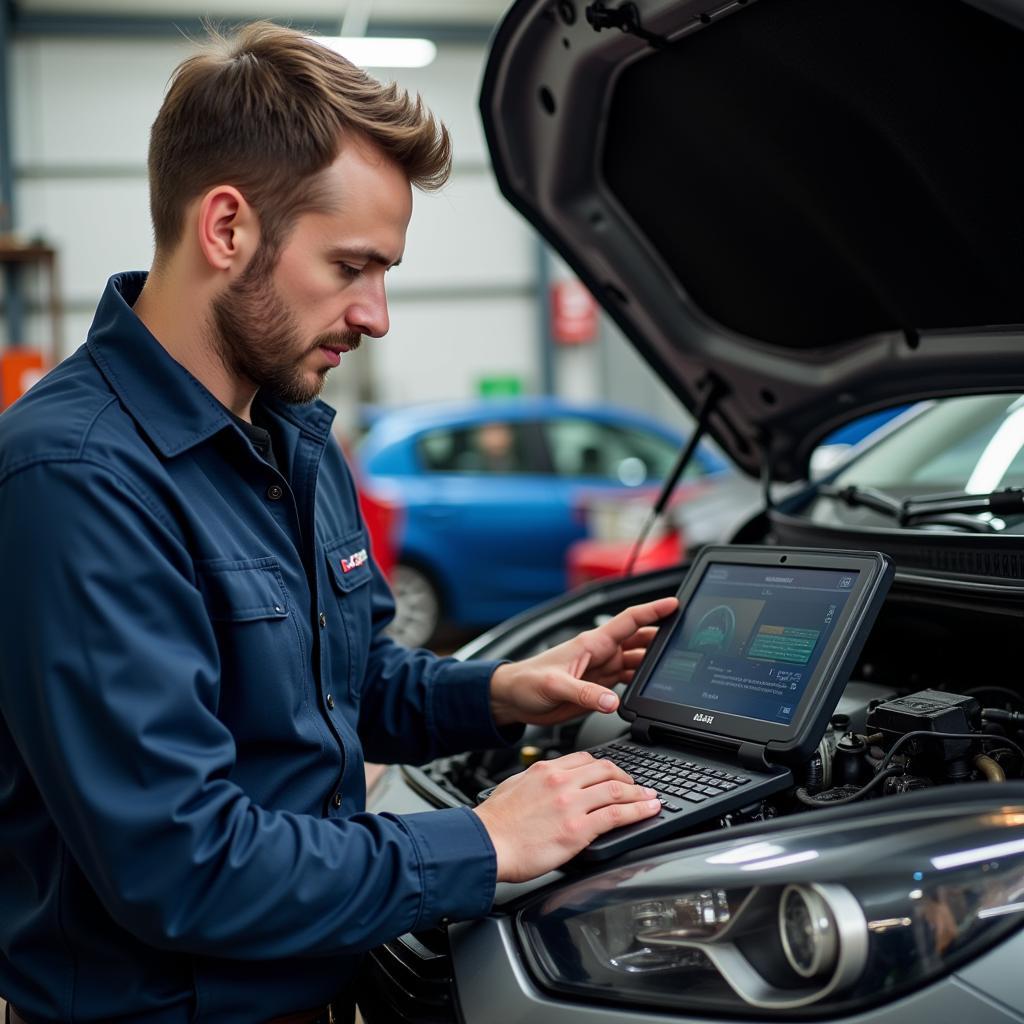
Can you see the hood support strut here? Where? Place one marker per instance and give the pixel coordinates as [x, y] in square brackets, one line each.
[714, 393]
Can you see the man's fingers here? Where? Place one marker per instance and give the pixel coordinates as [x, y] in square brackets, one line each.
[615, 792]
[598, 771]
[620, 670]
[574, 760]
[588, 696]
[616, 815]
[632, 659]
[564, 688]
[632, 619]
[641, 638]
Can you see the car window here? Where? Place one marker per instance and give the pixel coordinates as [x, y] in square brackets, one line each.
[496, 446]
[622, 455]
[973, 444]
[970, 445]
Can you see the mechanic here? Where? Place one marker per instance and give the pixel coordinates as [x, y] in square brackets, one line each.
[192, 657]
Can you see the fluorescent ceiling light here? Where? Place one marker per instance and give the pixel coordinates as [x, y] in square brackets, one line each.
[381, 51]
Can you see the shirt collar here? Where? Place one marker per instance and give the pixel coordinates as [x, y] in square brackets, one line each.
[174, 409]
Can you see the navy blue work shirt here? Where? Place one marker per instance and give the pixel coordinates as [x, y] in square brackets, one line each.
[192, 665]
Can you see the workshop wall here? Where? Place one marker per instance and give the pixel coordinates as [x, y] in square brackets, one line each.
[465, 304]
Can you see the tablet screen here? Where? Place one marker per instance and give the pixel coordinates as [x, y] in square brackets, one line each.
[749, 640]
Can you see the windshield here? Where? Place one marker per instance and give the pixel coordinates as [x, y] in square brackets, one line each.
[970, 445]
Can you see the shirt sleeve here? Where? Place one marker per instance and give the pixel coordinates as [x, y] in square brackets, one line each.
[109, 684]
[416, 706]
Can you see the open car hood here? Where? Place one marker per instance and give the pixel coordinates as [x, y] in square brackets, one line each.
[809, 209]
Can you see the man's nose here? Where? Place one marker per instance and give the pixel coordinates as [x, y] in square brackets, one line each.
[369, 314]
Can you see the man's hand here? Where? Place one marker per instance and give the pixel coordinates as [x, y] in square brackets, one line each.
[540, 818]
[574, 677]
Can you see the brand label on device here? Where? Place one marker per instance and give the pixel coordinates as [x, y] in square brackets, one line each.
[705, 719]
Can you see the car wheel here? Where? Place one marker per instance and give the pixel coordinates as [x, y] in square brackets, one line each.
[418, 614]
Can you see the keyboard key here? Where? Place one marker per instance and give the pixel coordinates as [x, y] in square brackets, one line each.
[677, 782]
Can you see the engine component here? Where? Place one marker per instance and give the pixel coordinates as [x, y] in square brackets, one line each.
[1001, 715]
[849, 766]
[529, 754]
[819, 768]
[990, 768]
[905, 784]
[855, 703]
[931, 711]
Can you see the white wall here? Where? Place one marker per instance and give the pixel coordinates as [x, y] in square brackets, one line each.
[465, 292]
[463, 303]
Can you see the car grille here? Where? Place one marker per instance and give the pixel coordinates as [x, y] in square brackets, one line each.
[410, 980]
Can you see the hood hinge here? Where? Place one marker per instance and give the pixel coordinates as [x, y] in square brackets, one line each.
[626, 18]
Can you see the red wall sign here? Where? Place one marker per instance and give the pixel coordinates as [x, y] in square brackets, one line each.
[573, 313]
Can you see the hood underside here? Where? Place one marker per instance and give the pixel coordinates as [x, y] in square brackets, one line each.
[805, 209]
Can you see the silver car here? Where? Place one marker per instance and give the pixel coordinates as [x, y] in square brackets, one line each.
[800, 211]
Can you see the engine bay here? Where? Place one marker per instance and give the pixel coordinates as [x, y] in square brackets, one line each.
[933, 702]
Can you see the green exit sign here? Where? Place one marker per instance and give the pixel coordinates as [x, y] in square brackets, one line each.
[499, 387]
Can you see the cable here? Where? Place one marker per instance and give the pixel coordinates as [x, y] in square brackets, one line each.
[885, 772]
[949, 736]
[1001, 715]
[805, 798]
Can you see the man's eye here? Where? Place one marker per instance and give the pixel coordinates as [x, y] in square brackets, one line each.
[349, 271]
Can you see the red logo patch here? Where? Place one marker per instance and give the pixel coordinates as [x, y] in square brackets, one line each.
[356, 559]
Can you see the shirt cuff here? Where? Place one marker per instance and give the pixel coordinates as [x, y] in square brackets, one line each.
[459, 708]
[458, 866]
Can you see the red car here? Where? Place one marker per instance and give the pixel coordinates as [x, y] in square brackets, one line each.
[701, 512]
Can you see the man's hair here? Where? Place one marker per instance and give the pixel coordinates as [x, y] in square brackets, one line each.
[265, 110]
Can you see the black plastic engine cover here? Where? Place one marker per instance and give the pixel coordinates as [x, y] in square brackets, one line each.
[927, 711]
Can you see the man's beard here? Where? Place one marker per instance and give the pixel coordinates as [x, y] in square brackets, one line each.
[257, 338]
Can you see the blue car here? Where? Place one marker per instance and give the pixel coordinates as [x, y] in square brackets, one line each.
[491, 493]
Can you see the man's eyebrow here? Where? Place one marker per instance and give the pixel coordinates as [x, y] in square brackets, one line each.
[367, 255]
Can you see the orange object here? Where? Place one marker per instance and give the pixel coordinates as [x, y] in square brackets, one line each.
[20, 368]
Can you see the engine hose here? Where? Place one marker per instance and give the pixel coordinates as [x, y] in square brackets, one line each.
[815, 775]
[809, 801]
[990, 768]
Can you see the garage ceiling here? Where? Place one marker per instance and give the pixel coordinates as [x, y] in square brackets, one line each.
[465, 12]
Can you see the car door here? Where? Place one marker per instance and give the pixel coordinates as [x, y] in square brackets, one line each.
[485, 518]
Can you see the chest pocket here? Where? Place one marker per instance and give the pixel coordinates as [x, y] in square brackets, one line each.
[248, 604]
[243, 591]
[349, 569]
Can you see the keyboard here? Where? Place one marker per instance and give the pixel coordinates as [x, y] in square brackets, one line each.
[680, 784]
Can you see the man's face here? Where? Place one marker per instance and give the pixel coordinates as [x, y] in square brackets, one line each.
[282, 327]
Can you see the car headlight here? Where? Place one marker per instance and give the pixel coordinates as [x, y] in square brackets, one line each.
[806, 921]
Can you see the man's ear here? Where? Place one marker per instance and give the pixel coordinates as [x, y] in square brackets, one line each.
[228, 228]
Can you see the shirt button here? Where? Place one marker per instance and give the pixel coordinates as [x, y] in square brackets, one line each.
[323, 620]
[330, 702]
[337, 800]
[275, 492]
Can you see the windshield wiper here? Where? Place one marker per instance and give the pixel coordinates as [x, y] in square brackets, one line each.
[950, 509]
